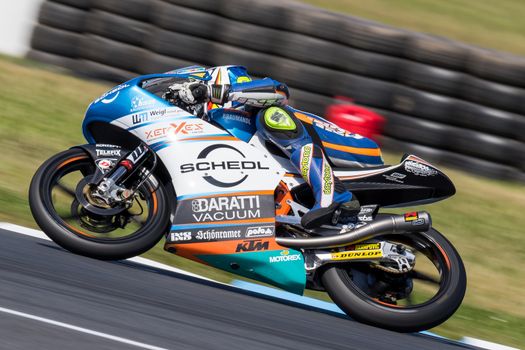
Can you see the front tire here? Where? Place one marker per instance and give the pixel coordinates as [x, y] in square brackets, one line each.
[345, 286]
[75, 235]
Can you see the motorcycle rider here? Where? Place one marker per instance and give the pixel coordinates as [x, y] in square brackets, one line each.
[267, 100]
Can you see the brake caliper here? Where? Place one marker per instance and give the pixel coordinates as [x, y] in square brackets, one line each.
[396, 258]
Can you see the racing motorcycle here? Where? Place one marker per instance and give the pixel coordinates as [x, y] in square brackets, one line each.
[220, 196]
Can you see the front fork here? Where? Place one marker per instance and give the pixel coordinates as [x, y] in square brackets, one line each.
[107, 188]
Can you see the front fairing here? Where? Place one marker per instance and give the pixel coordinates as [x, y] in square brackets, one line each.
[129, 99]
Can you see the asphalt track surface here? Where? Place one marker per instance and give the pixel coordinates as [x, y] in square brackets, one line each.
[158, 308]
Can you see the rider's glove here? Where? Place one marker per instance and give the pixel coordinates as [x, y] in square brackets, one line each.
[191, 92]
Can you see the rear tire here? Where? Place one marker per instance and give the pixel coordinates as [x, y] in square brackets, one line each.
[86, 243]
[357, 304]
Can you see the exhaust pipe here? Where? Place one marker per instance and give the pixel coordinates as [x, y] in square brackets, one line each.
[383, 224]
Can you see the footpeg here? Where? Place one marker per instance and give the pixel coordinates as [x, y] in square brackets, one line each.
[335, 217]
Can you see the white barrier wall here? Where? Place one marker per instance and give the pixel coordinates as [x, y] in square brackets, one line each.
[17, 18]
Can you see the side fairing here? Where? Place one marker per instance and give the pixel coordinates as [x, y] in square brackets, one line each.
[225, 214]
[226, 208]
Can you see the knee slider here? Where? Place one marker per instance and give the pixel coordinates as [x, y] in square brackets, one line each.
[287, 138]
[278, 119]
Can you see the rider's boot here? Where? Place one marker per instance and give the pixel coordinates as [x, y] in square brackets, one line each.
[332, 201]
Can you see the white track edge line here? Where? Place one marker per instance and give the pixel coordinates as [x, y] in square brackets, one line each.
[485, 344]
[81, 329]
[143, 261]
[23, 230]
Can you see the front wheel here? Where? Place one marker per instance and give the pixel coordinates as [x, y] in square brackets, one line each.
[409, 302]
[54, 202]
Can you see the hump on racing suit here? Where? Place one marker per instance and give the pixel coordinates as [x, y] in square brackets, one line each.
[343, 148]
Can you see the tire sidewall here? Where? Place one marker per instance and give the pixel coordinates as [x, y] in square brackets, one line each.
[363, 309]
[76, 244]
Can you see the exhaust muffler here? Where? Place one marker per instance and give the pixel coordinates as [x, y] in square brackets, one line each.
[383, 224]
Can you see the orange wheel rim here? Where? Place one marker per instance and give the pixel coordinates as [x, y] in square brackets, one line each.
[70, 160]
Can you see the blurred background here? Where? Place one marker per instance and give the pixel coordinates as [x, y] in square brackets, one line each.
[446, 77]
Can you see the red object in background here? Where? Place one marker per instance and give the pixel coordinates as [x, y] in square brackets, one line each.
[356, 119]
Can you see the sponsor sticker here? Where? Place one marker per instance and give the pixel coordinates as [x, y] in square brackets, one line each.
[259, 231]
[139, 102]
[365, 218]
[182, 128]
[418, 222]
[207, 164]
[157, 133]
[225, 203]
[238, 118]
[327, 179]
[227, 215]
[153, 115]
[395, 177]
[334, 129]
[180, 236]
[367, 246]
[105, 163]
[156, 115]
[157, 112]
[419, 169]
[411, 216]
[140, 118]
[108, 152]
[226, 208]
[284, 256]
[366, 210]
[253, 245]
[186, 128]
[230, 207]
[257, 101]
[210, 235]
[351, 255]
[305, 161]
[105, 145]
[111, 95]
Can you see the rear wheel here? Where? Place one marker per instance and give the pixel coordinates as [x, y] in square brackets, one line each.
[405, 302]
[54, 201]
